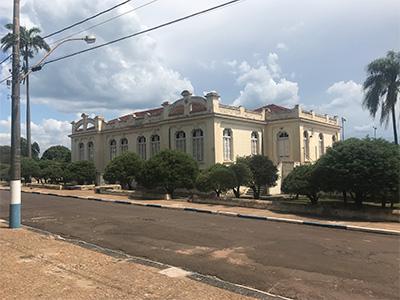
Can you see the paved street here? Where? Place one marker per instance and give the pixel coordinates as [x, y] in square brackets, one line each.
[295, 261]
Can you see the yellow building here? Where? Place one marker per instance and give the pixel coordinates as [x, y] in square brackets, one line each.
[209, 131]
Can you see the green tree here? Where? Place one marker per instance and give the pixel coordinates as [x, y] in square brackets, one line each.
[363, 167]
[123, 169]
[382, 88]
[58, 153]
[169, 170]
[30, 42]
[81, 172]
[35, 149]
[51, 171]
[263, 172]
[301, 182]
[217, 178]
[29, 168]
[242, 174]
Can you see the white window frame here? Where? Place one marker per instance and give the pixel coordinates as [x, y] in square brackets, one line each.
[180, 141]
[155, 144]
[90, 150]
[141, 143]
[227, 137]
[306, 144]
[198, 144]
[283, 145]
[254, 143]
[124, 145]
[113, 149]
[321, 144]
[81, 147]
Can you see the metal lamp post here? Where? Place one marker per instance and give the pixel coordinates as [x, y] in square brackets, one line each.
[15, 180]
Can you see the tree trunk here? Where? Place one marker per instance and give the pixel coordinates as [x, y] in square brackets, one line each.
[394, 125]
[345, 197]
[256, 192]
[236, 191]
[28, 106]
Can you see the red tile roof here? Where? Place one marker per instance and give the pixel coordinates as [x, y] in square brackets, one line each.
[273, 108]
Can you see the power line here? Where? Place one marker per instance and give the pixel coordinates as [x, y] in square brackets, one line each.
[87, 19]
[106, 21]
[1, 62]
[143, 31]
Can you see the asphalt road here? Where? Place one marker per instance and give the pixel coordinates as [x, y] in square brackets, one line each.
[295, 261]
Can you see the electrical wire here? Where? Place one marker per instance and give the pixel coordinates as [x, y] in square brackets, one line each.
[105, 21]
[86, 19]
[143, 31]
[4, 60]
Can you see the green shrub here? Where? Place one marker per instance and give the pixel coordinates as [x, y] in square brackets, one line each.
[242, 174]
[300, 182]
[169, 170]
[81, 172]
[362, 167]
[263, 172]
[218, 178]
[123, 169]
[51, 171]
[29, 168]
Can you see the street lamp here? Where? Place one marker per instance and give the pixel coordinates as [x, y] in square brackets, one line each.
[89, 39]
[374, 127]
[15, 182]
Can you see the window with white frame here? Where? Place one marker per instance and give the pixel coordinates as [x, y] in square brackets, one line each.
[124, 145]
[81, 151]
[198, 145]
[142, 147]
[113, 149]
[306, 142]
[254, 143]
[180, 141]
[90, 148]
[283, 145]
[227, 144]
[155, 144]
[333, 139]
[321, 144]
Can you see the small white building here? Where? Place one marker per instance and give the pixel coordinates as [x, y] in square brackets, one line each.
[209, 131]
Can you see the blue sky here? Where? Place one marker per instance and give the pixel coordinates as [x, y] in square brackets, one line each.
[257, 52]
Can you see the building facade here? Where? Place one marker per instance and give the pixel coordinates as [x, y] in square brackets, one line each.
[209, 131]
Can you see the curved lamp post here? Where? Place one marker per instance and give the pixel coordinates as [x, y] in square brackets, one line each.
[15, 183]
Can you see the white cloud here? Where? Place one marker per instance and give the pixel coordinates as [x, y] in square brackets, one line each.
[48, 132]
[264, 84]
[127, 75]
[282, 46]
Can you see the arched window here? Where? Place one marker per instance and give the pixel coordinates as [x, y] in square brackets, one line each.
[90, 147]
[81, 151]
[142, 147]
[155, 144]
[254, 143]
[198, 145]
[321, 145]
[227, 144]
[124, 145]
[333, 139]
[180, 141]
[283, 145]
[306, 142]
[113, 149]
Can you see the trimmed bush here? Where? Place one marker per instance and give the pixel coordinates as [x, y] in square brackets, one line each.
[218, 178]
[123, 169]
[169, 170]
[300, 182]
[30, 168]
[81, 172]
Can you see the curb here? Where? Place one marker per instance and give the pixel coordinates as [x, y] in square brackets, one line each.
[232, 214]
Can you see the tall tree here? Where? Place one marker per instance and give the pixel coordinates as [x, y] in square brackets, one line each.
[382, 88]
[31, 43]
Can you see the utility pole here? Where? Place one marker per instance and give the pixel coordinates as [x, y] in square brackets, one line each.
[15, 180]
[374, 127]
[343, 120]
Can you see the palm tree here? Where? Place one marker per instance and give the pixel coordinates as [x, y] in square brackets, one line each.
[31, 43]
[382, 87]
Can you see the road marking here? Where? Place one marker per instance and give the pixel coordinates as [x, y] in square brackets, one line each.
[175, 272]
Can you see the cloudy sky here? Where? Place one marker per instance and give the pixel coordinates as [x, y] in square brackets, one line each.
[256, 52]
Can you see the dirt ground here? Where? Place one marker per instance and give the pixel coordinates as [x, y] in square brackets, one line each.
[36, 266]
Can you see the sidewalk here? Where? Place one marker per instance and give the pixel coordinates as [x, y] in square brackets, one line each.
[35, 265]
[221, 209]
